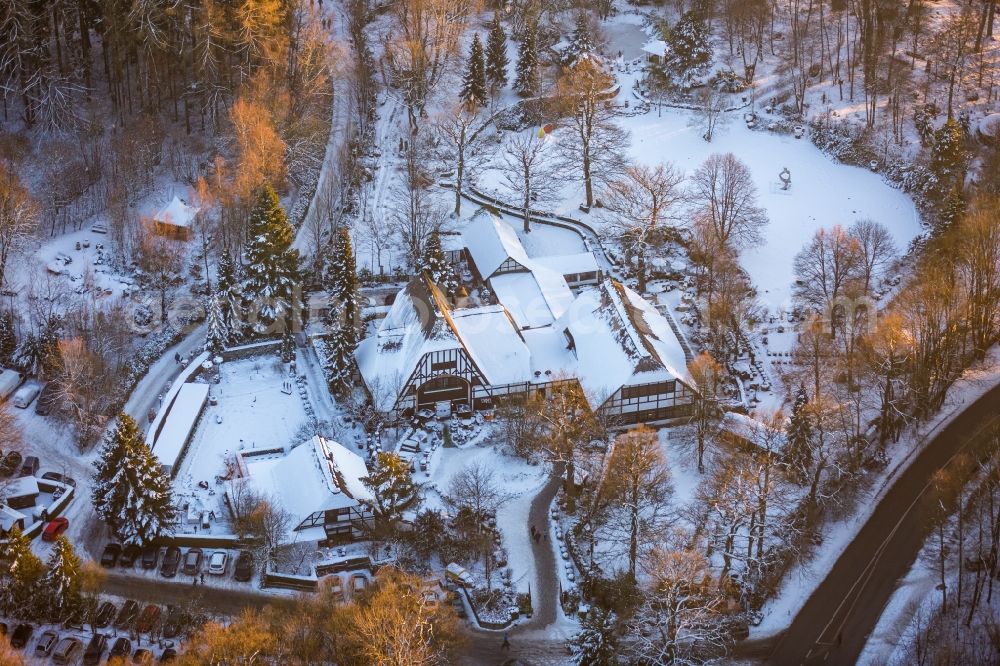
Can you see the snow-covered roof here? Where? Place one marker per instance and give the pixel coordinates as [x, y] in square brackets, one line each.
[451, 241]
[550, 354]
[655, 47]
[491, 241]
[413, 327]
[620, 340]
[494, 344]
[178, 422]
[176, 213]
[317, 475]
[21, 487]
[9, 517]
[534, 299]
[568, 264]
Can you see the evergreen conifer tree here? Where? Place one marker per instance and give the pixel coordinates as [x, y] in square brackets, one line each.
[949, 163]
[19, 588]
[8, 340]
[62, 583]
[435, 264]
[690, 50]
[597, 642]
[496, 55]
[49, 357]
[272, 269]
[230, 292]
[341, 358]
[799, 434]
[474, 83]
[580, 43]
[132, 493]
[217, 336]
[393, 490]
[342, 276]
[526, 81]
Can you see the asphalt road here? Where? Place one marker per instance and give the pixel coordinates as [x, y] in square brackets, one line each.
[833, 625]
[218, 601]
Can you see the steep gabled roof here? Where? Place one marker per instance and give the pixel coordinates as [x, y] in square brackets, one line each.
[621, 340]
[491, 241]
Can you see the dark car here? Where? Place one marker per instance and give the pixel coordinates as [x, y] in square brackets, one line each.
[122, 648]
[148, 619]
[105, 614]
[244, 566]
[171, 560]
[168, 655]
[142, 656]
[126, 616]
[59, 478]
[110, 555]
[47, 399]
[10, 463]
[173, 623]
[30, 466]
[150, 556]
[192, 561]
[67, 650]
[129, 555]
[46, 642]
[95, 650]
[21, 634]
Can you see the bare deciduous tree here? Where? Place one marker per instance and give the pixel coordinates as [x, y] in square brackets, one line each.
[642, 201]
[529, 171]
[876, 247]
[726, 198]
[18, 216]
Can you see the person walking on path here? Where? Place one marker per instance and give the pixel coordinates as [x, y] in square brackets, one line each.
[506, 642]
[203, 578]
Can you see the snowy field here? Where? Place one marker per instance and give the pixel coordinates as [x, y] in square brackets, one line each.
[515, 477]
[254, 411]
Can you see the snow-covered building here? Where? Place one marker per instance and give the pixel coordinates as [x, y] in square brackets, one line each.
[21, 493]
[170, 433]
[175, 220]
[429, 350]
[11, 518]
[494, 249]
[319, 483]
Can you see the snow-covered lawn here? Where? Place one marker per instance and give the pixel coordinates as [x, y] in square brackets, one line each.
[515, 477]
[254, 411]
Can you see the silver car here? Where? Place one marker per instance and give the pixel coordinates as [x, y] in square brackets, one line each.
[217, 563]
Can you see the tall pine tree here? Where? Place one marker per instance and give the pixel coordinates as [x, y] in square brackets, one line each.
[132, 494]
[230, 292]
[799, 435]
[272, 266]
[580, 43]
[8, 340]
[62, 583]
[341, 358]
[19, 588]
[526, 81]
[342, 279]
[435, 264]
[217, 337]
[474, 83]
[496, 55]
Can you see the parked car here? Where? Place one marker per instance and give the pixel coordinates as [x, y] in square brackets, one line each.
[122, 648]
[169, 654]
[10, 463]
[106, 612]
[150, 556]
[67, 650]
[110, 555]
[126, 616]
[192, 561]
[217, 563]
[46, 642]
[171, 560]
[95, 650]
[55, 528]
[142, 656]
[59, 478]
[25, 395]
[22, 633]
[30, 466]
[148, 619]
[173, 622]
[244, 566]
[9, 381]
[129, 555]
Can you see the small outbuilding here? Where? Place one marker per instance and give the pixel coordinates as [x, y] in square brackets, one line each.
[175, 220]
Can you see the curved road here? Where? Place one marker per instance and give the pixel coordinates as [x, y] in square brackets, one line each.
[833, 625]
